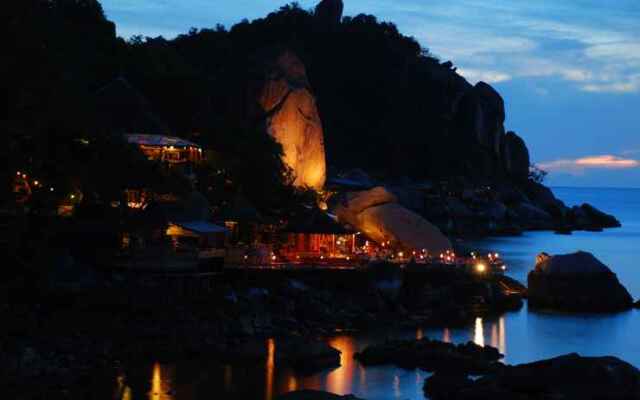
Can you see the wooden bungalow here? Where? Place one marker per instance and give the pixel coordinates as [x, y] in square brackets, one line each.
[314, 236]
[168, 149]
[174, 237]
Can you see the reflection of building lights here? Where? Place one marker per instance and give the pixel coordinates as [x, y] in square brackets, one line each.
[480, 267]
[156, 382]
[478, 336]
[270, 368]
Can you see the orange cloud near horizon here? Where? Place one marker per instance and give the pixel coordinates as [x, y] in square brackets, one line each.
[578, 165]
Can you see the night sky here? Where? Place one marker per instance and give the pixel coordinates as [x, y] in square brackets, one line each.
[569, 71]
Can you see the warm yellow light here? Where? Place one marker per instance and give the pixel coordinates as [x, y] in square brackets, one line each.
[246, 257]
[73, 196]
[348, 258]
[400, 254]
[36, 183]
[322, 257]
[24, 176]
[273, 258]
[481, 267]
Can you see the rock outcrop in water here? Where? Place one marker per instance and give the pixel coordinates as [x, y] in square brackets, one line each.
[576, 282]
[433, 355]
[289, 110]
[314, 395]
[568, 377]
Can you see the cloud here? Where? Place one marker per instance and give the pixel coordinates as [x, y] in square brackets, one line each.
[579, 165]
[632, 84]
[475, 75]
[591, 44]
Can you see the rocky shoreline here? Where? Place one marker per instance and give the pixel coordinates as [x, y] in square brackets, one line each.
[62, 337]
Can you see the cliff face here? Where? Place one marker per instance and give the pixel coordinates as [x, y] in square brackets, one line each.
[288, 110]
[478, 126]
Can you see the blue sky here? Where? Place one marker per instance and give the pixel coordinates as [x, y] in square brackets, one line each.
[569, 70]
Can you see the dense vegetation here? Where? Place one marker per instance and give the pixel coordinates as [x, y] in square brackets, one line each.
[383, 100]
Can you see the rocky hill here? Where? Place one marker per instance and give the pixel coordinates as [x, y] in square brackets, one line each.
[337, 92]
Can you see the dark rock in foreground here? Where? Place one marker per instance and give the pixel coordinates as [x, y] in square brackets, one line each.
[566, 377]
[309, 355]
[433, 355]
[314, 395]
[576, 282]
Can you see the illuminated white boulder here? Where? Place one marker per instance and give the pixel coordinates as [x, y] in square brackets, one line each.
[392, 222]
[377, 214]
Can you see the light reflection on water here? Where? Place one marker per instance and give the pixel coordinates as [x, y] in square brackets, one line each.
[522, 336]
[478, 332]
[266, 380]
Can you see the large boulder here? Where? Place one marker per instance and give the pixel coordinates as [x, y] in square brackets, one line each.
[353, 203]
[576, 282]
[394, 223]
[329, 12]
[568, 377]
[588, 217]
[533, 217]
[482, 112]
[377, 214]
[544, 198]
[515, 157]
[291, 116]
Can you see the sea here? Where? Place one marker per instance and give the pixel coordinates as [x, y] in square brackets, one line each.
[523, 336]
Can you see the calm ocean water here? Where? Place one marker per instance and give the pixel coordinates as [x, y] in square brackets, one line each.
[523, 336]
